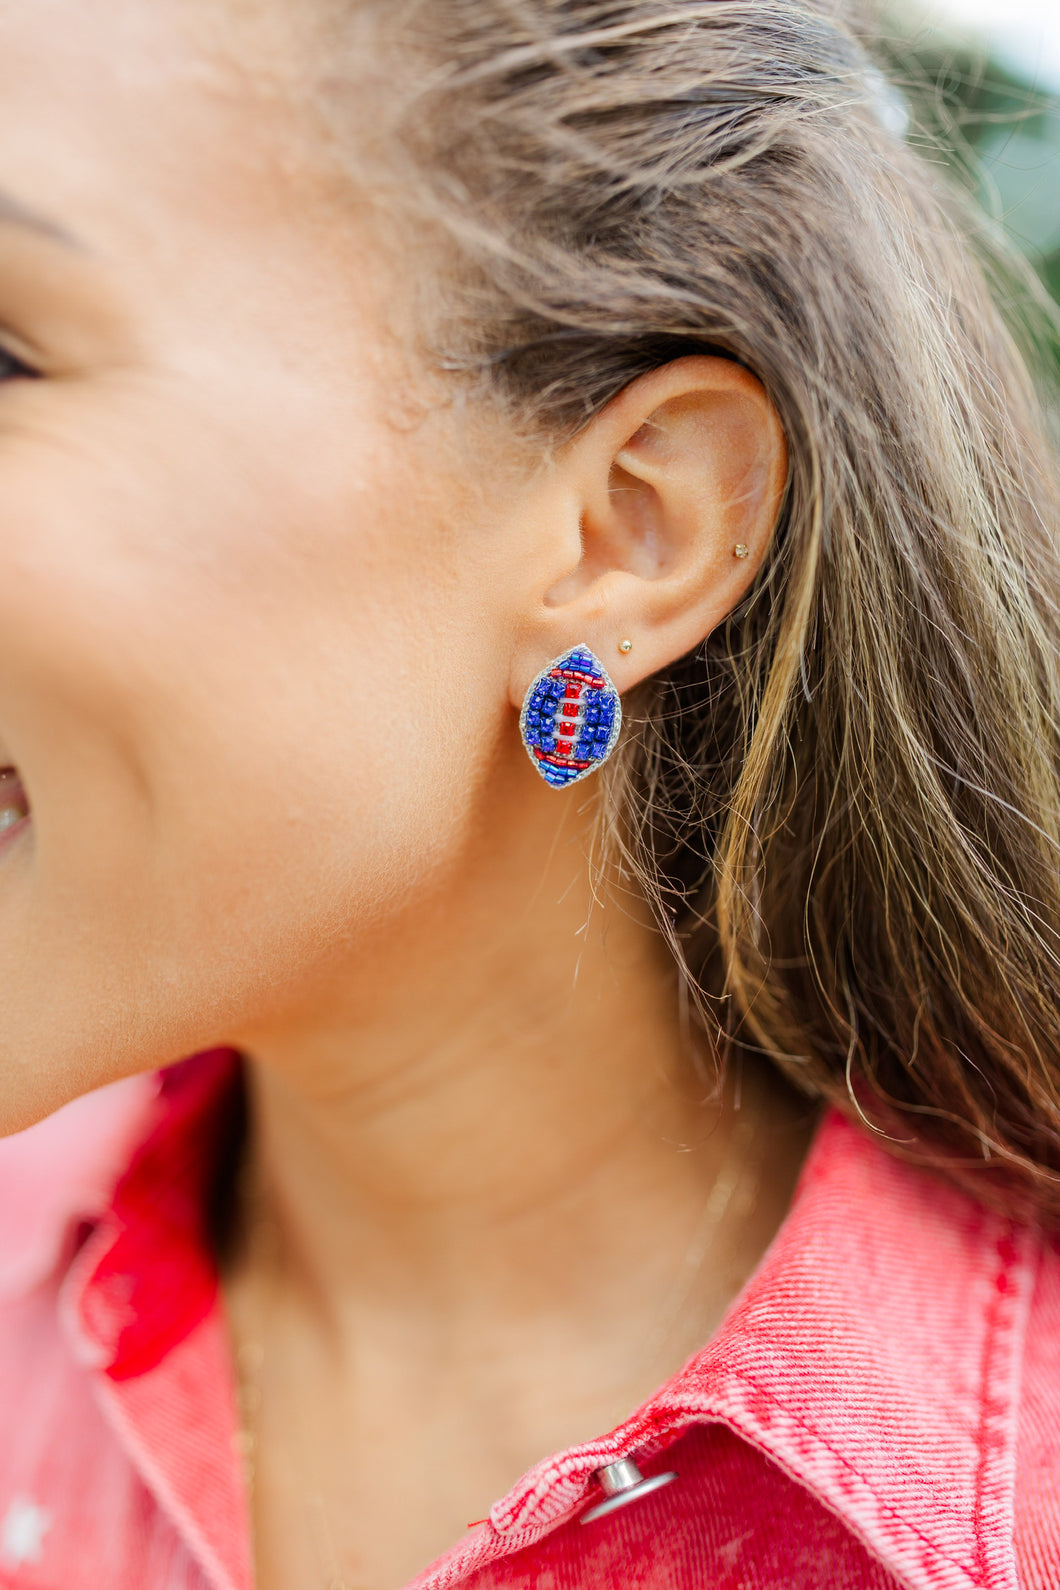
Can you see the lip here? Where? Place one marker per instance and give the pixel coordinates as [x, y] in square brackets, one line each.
[11, 784]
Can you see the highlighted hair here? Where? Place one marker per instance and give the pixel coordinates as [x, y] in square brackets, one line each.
[846, 803]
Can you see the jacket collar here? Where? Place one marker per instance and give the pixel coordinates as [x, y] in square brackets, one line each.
[875, 1355]
[111, 1196]
[61, 1173]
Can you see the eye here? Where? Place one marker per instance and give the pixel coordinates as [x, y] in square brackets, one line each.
[14, 369]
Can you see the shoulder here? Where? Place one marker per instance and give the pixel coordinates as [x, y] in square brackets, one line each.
[63, 1171]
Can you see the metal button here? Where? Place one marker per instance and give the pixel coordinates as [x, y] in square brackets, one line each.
[621, 1483]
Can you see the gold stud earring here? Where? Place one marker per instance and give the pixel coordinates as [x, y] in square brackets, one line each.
[740, 550]
[625, 646]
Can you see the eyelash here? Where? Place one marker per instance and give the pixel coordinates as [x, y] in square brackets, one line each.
[14, 369]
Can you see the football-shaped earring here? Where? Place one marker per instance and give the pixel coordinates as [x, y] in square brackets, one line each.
[571, 718]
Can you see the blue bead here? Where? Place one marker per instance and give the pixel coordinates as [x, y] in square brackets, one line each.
[587, 714]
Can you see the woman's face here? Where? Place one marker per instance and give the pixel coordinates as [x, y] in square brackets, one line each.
[241, 586]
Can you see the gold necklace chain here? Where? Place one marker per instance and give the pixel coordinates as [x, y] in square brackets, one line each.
[730, 1179]
[250, 1357]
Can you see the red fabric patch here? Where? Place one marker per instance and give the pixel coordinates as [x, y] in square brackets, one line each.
[157, 1280]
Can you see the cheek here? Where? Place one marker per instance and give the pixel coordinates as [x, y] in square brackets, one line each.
[251, 702]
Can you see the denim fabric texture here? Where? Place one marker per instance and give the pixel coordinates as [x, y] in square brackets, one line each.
[880, 1407]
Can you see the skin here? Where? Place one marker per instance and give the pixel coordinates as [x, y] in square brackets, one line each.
[268, 608]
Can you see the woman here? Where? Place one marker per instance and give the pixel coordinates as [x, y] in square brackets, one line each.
[641, 1177]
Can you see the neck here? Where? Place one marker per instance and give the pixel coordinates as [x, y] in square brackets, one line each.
[499, 1203]
[483, 1128]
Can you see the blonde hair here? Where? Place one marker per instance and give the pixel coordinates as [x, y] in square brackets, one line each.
[845, 804]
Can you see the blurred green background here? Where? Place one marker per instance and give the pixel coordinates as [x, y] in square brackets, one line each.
[982, 79]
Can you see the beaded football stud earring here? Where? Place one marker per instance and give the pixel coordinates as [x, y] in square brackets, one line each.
[571, 718]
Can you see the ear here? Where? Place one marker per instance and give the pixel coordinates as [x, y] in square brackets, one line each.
[647, 509]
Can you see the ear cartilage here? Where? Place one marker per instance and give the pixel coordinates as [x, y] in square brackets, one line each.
[740, 550]
[571, 718]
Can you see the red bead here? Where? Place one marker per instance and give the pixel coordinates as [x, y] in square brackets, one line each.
[563, 749]
[573, 692]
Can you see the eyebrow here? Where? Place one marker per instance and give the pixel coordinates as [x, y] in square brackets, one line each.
[14, 213]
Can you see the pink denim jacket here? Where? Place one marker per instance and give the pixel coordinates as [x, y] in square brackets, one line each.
[880, 1408]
